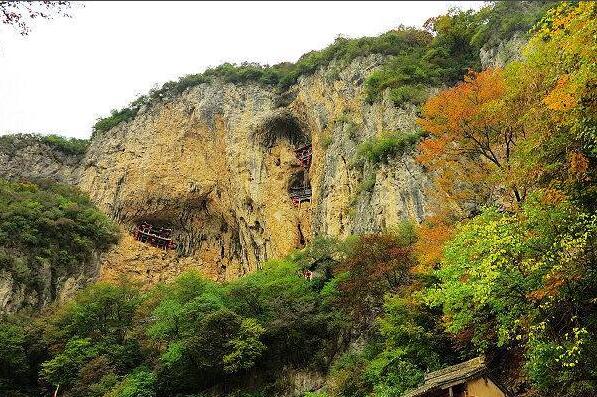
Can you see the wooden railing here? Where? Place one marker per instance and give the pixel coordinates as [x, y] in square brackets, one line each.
[303, 155]
[300, 195]
[158, 237]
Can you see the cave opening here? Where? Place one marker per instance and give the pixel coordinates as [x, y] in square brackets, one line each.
[303, 155]
[283, 125]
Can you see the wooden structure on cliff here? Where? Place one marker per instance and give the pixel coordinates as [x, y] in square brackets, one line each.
[159, 237]
[303, 155]
[468, 379]
[300, 193]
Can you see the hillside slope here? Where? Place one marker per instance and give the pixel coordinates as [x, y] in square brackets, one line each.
[212, 156]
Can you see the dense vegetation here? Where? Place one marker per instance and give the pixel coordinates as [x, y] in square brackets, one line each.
[454, 49]
[47, 231]
[195, 335]
[417, 58]
[519, 278]
[71, 146]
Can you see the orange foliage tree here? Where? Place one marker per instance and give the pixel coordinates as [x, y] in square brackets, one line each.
[554, 87]
[431, 237]
[472, 137]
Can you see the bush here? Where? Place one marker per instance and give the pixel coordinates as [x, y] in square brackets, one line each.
[15, 142]
[408, 94]
[326, 141]
[404, 70]
[140, 383]
[67, 145]
[381, 150]
[116, 117]
[367, 185]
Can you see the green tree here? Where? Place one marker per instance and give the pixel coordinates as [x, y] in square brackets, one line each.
[14, 365]
[64, 367]
[526, 279]
[139, 383]
[245, 348]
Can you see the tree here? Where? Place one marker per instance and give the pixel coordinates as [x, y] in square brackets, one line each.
[451, 51]
[139, 383]
[525, 282]
[13, 358]
[555, 87]
[245, 348]
[19, 14]
[413, 343]
[432, 235]
[473, 137]
[378, 264]
[90, 335]
[64, 367]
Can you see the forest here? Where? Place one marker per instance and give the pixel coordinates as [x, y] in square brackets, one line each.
[505, 268]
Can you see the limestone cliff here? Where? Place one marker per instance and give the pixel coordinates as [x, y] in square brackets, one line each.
[502, 53]
[25, 156]
[216, 165]
[17, 295]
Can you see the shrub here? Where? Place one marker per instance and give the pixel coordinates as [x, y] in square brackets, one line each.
[116, 117]
[140, 383]
[15, 142]
[326, 141]
[67, 145]
[404, 70]
[408, 94]
[380, 150]
[347, 376]
[367, 185]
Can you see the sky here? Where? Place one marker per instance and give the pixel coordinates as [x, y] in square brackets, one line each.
[68, 72]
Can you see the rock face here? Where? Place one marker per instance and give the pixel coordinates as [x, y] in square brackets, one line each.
[216, 165]
[18, 294]
[504, 52]
[28, 158]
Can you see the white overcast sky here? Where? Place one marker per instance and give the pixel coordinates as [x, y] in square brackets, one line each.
[70, 71]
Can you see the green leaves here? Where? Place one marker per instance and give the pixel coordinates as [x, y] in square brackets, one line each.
[521, 279]
[13, 359]
[245, 348]
[48, 226]
[63, 368]
[67, 145]
[383, 149]
[139, 383]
